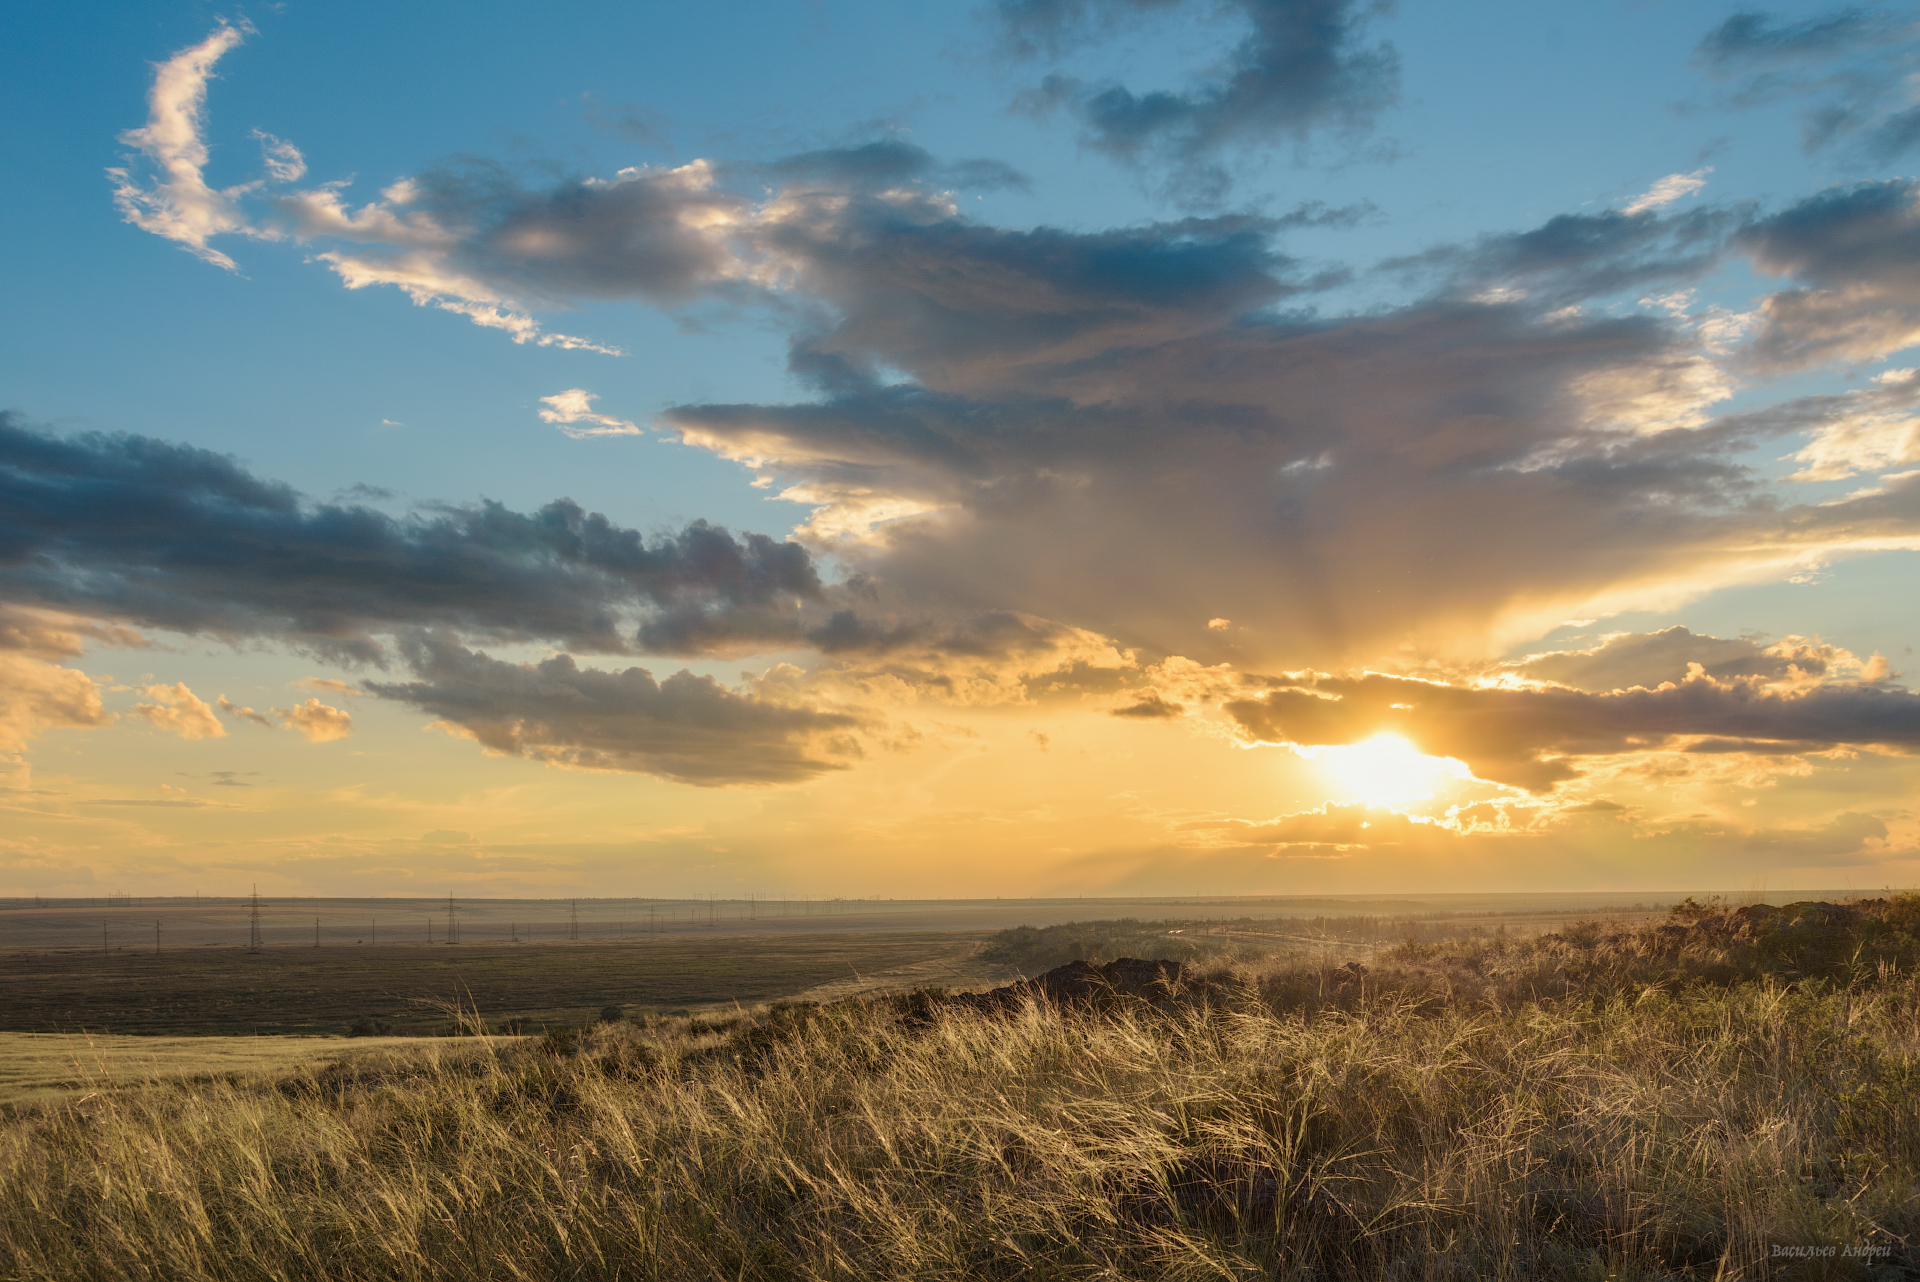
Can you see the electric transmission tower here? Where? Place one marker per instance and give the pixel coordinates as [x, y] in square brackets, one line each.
[573, 919]
[254, 941]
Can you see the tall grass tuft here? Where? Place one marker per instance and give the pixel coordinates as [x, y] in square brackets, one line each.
[1601, 1103]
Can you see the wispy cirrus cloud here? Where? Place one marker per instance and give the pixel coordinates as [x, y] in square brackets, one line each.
[177, 203]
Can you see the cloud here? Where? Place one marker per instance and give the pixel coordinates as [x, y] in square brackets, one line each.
[1151, 707]
[889, 163]
[36, 696]
[177, 710]
[1668, 190]
[1100, 438]
[686, 728]
[169, 536]
[412, 237]
[318, 722]
[283, 160]
[1338, 825]
[1044, 459]
[1533, 738]
[239, 713]
[1626, 660]
[1865, 430]
[1303, 69]
[1855, 252]
[1752, 38]
[470, 240]
[177, 203]
[575, 405]
[1853, 64]
[1572, 258]
[42, 635]
[1037, 422]
[162, 803]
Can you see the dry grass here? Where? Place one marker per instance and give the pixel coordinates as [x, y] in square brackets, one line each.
[41, 1067]
[1604, 1104]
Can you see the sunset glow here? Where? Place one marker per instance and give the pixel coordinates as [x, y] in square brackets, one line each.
[1014, 448]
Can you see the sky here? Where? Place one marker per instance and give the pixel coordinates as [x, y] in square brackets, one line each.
[1037, 447]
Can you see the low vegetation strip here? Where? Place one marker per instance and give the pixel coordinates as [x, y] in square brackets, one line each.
[403, 989]
[1723, 1095]
[1038, 948]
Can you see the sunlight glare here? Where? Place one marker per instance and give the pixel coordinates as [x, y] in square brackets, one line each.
[1385, 770]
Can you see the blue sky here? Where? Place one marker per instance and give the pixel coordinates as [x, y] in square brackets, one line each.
[994, 318]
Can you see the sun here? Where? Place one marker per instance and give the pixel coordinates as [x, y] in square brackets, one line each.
[1385, 770]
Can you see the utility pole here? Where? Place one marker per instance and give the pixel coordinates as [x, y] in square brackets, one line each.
[254, 941]
[156, 939]
[573, 919]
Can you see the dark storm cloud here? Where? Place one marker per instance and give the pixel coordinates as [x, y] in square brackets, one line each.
[1855, 254]
[1853, 64]
[686, 728]
[1532, 738]
[1305, 68]
[169, 536]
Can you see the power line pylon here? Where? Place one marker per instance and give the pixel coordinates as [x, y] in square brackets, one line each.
[254, 941]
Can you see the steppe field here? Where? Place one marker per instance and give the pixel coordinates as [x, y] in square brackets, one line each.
[1707, 1089]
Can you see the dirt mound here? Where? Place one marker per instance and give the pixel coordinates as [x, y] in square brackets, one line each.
[1077, 983]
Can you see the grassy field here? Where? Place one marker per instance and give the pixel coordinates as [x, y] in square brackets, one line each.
[326, 990]
[1723, 1095]
[42, 1067]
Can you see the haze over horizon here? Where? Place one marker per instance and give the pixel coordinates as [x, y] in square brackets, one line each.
[1045, 447]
